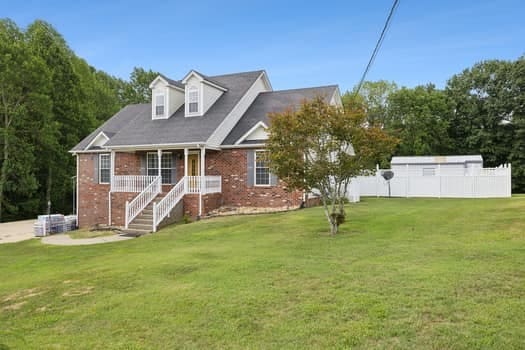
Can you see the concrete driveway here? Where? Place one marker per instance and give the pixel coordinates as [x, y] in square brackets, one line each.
[16, 231]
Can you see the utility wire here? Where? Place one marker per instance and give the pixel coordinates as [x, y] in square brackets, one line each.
[378, 45]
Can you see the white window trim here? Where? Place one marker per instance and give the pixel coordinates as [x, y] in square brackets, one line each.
[161, 168]
[164, 115]
[255, 170]
[199, 102]
[100, 168]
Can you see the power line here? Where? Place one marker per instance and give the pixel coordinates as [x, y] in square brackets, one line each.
[378, 45]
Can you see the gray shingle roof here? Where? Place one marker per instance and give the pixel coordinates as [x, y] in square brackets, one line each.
[172, 82]
[114, 124]
[209, 79]
[274, 102]
[133, 124]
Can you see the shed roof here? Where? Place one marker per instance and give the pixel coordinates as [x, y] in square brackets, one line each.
[437, 159]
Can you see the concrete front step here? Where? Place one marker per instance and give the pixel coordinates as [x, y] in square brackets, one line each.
[137, 226]
[143, 221]
[134, 232]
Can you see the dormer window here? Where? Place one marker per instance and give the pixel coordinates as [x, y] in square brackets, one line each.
[159, 105]
[193, 100]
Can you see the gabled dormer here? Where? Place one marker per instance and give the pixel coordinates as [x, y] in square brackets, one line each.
[201, 92]
[166, 97]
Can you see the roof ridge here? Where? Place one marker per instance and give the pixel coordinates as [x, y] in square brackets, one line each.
[306, 88]
[237, 73]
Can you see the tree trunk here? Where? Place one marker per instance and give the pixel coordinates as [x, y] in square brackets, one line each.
[334, 227]
[3, 175]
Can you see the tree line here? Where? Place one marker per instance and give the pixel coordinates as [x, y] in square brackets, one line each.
[480, 111]
[50, 99]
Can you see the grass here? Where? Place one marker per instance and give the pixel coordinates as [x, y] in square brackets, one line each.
[85, 233]
[402, 274]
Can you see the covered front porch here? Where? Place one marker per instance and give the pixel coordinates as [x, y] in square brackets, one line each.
[134, 171]
[160, 179]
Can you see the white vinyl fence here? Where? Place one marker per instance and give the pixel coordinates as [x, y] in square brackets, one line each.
[484, 183]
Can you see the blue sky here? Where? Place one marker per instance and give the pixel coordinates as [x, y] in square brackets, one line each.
[297, 43]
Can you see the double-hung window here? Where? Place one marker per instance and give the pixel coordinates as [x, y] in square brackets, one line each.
[165, 166]
[159, 105]
[262, 170]
[104, 168]
[193, 100]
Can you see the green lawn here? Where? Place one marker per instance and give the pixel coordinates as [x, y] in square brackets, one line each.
[403, 273]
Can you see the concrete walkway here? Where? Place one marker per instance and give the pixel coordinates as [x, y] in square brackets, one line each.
[64, 239]
[16, 231]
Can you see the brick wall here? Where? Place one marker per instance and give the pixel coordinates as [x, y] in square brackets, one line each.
[232, 166]
[92, 197]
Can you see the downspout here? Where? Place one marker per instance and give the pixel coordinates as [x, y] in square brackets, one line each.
[111, 176]
[78, 186]
[202, 183]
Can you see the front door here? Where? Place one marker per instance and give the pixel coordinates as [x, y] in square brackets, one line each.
[193, 165]
[193, 170]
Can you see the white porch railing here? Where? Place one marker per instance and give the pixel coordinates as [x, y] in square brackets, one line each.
[140, 202]
[131, 183]
[164, 207]
[211, 184]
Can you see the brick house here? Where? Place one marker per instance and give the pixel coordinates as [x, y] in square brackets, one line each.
[197, 146]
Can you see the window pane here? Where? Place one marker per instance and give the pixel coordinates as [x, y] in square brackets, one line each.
[166, 176]
[194, 107]
[193, 95]
[104, 176]
[159, 100]
[153, 171]
[166, 160]
[152, 160]
[159, 110]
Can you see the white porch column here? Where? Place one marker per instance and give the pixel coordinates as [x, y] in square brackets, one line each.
[159, 157]
[186, 169]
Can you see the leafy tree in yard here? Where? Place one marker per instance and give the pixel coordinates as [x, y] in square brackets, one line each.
[375, 98]
[489, 111]
[313, 149]
[137, 89]
[419, 117]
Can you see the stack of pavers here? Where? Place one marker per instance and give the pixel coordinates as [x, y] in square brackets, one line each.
[54, 223]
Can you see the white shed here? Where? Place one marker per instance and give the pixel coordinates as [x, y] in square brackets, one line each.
[435, 165]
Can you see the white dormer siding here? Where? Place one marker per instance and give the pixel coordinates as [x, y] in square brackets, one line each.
[165, 98]
[210, 95]
[200, 94]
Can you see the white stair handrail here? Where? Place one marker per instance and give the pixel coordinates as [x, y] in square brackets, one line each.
[164, 207]
[141, 201]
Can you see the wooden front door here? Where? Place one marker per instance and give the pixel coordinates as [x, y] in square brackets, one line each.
[193, 170]
[193, 165]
